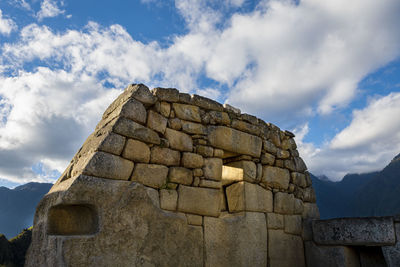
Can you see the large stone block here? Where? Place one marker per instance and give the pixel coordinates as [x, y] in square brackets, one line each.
[246, 127]
[231, 175]
[180, 175]
[192, 160]
[206, 103]
[233, 240]
[330, 256]
[276, 177]
[243, 196]
[310, 210]
[234, 141]
[368, 231]
[165, 156]
[109, 166]
[285, 250]
[168, 199]
[284, 203]
[178, 140]
[392, 253]
[212, 168]
[152, 175]
[193, 128]
[166, 94]
[293, 224]
[249, 169]
[156, 122]
[267, 159]
[198, 200]
[299, 179]
[133, 110]
[275, 221]
[134, 130]
[112, 143]
[136, 151]
[187, 112]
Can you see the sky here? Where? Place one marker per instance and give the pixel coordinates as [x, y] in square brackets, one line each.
[329, 71]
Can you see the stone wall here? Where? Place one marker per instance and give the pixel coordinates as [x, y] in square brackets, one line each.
[184, 181]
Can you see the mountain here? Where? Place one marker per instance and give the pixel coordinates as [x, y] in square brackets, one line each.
[17, 206]
[360, 195]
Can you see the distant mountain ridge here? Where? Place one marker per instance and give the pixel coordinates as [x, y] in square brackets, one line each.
[360, 195]
[17, 206]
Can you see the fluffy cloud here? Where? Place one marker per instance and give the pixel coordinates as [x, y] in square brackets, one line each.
[49, 9]
[370, 141]
[6, 25]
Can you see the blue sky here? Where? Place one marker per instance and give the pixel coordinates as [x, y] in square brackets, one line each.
[327, 70]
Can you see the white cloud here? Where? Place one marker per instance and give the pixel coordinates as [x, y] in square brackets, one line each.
[369, 143]
[49, 9]
[6, 25]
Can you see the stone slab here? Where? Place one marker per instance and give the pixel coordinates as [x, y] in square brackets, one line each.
[152, 175]
[369, 231]
[392, 253]
[330, 256]
[199, 200]
[243, 196]
[285, 250]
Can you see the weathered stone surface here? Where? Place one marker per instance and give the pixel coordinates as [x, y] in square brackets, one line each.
[285, 249]
[165, 109]
[156, 122]
[269, 147]
[275, 221]
[234, 140]
[109, 166]
[154, 196]
[194, 219]
[284, 203]
[206, 103]
[245, 127]
[212, 168]
[178, 140]
[188, 200]
[166, 94]
[236, 240]
[392, 253]
[133, 110]
[165, 156]
[299, 179]
[267, 159]
[142, 93]
[187, 112]
[371, 257]
[175, 124]
[300, 165]
[249, 118]
[249, 169]
[335, 256]
[180, 175]
[168, 199]
[218, 153]
[193, 128]
[309, 195]
[134, 130]
[276, 177]
[205, 151]
[136, 151]
[112, 143]
[152, 175]
[367, 231]
[293, 224]
[231, 175]
[243, 196]
[298, 206]
[192, 160]
[231, 109]
[125, 210]
[210, 184]
[217, 117]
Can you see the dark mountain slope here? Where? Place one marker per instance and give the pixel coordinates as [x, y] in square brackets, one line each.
[17, 206]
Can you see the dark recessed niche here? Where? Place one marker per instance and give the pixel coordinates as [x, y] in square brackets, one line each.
[72, 220]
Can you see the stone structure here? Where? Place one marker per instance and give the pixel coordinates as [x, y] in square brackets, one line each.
[172, 179]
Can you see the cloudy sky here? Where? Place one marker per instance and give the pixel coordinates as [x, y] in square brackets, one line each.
[327, 70]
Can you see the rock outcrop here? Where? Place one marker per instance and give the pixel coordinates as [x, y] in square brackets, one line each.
[170, 179]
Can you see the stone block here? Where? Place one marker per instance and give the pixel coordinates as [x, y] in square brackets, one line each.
[218, 153]
[109, 166]
[300, 165]
[210, 184]
[165, 109]
[284, 203]
[199, 200]
[136, 151]
[194, 219]
[245, 127]
[269, 147]
[282, 154]
[367, 231]
[133, 110]
[243, 196]
[192, 160]
[309, 195]
[299, 179]
[151, 175]
[112, 143]
[310, 210]
[165, 156]
[168, 199]
[212, 168]
[198, 172]
[392, 253]
[205, 151]
[233, 240]
[175, 124]
[232, 109]
[217, 117]
[142, 93]
[187, 112]
[267, 159]
[234, 141]
[193, 128]
[166, 94]
[231, 175]
[180, 175]
[276, 177]
[178, 140]
[136, 131]
[275, 221]
[293, 224]
[249, 118]
[298, 206]
[335, 256]
[249, 169]
[285, 250]
[156, 122]
[206, 103]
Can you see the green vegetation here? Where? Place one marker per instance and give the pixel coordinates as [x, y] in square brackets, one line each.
[12, 252]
